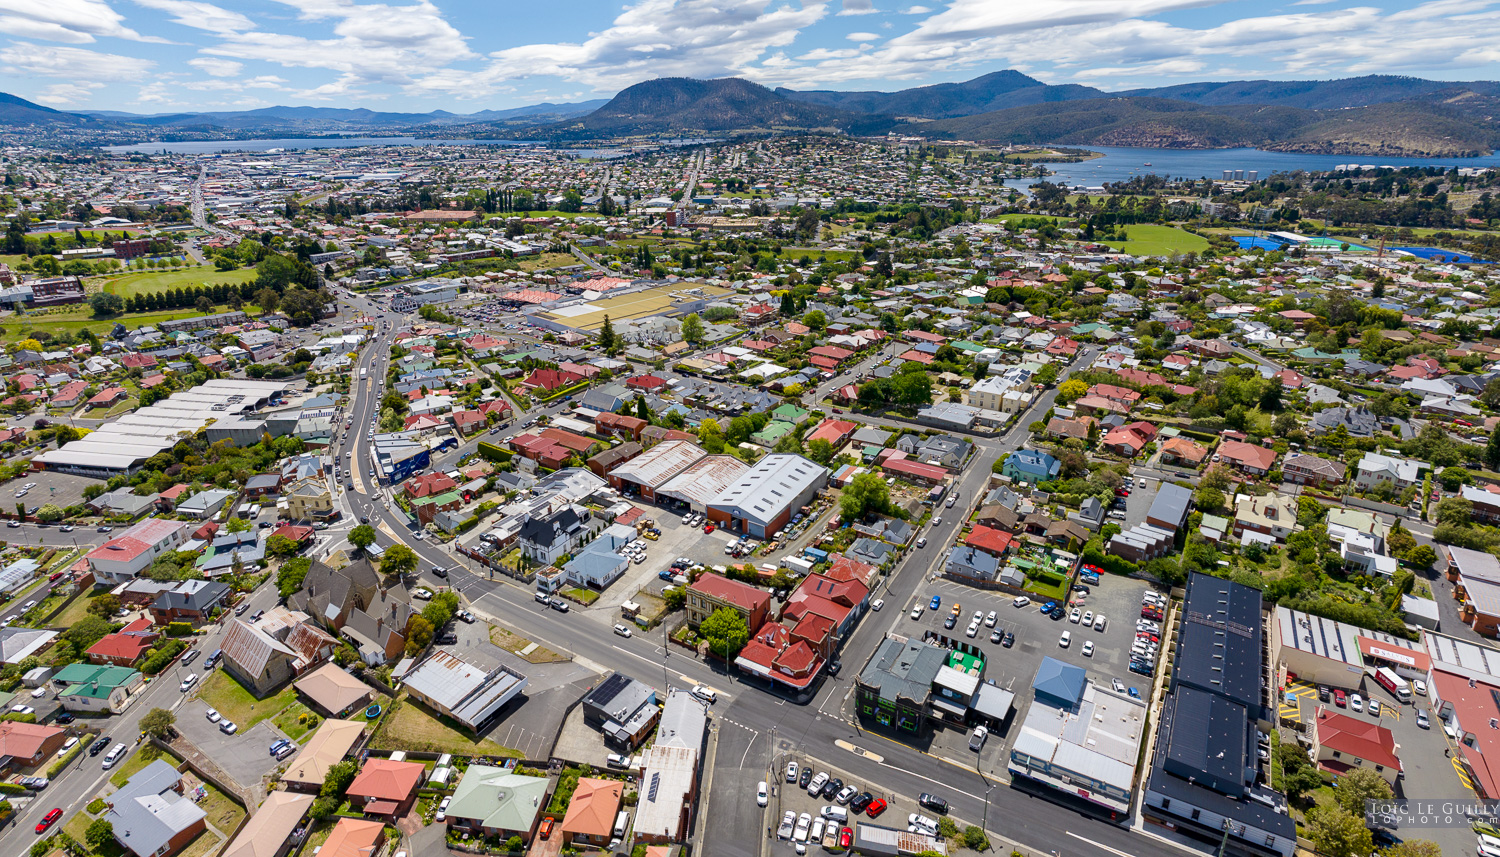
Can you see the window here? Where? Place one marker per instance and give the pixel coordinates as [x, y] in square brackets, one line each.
[1166, 803]
[1270, 840]
[1195, 814]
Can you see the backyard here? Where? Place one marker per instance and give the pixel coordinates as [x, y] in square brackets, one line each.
[409, 725]
[222, 693]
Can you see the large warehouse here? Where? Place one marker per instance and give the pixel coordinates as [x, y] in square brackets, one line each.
[763, 500]
[123, 445]
[1323, 651]
[673, 301]
[703, 482]
[648, 472]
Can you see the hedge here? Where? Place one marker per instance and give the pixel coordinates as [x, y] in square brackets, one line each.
[490, 452]
[562, 391]
[13, 789]
[162, 656]
[57, 767]
[179, 629]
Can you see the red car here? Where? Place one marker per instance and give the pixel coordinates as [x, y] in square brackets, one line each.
[875, 808]
[846, 838]
[1339, 699]
[708, 528]
[547, 826]
[48, 820]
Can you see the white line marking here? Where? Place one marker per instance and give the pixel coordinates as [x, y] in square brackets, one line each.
[1097, 845]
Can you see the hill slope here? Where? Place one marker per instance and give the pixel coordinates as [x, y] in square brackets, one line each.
[682, 105]
[1314, 94]
[995, 91]
[15, 110]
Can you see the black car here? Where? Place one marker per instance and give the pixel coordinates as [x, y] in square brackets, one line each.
[933, 802]
[1079, 587]
[1010, 639]
[1140, 668]
[1058, 614]
[805, 777]
[834, 667]
[65, 718]
[950, 621]
[832, 787]
[447, 638]
[1322, 693]
[98, 746]
[365, 519]
[439, 571]
[861, 801]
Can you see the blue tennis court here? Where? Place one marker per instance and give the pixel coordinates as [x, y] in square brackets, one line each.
[1248, 242]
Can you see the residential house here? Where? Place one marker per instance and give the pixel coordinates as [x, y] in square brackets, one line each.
[192, 601]
[1031, 465]
[353, 603]
[972, 565]
[150, 817]
[96, 689]
[494, 802]
[131, 552]
[270, 831]
[1300, 468]
[26, 745]
[591, 813]
[1183, 452]
[330, 743]
[309, 500]
[1397, 474]
[1247, 457]
[545, 540]
[1128, 440]
[263, 663]
[354, 837]
[386, 788]
[1342, 743]
[710, 592]
[332, 691]
[1272, 516]
[125, 647]
[623, 709]
[469, 693]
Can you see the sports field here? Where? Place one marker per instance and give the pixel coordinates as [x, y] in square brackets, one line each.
[1150, 239]
[145, 282]
[642, 304]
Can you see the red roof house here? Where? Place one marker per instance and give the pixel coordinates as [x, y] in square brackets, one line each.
[386, 788]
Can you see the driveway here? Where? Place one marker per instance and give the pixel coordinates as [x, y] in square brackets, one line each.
[242, 755]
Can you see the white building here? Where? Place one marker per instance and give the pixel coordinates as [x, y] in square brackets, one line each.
[128, 554]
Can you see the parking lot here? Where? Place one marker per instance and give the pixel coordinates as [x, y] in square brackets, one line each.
[677, 540]
[1036, 636]
[793, 797]
[245, 755]
[59, 489]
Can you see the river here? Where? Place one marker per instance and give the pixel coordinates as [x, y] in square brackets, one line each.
[1120, 164]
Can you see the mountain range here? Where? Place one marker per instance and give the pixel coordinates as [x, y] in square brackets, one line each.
[1371, 115]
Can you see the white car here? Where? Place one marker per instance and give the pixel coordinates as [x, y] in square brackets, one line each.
[762, 796]
[922, 542]
[1075, 616]
[187, 683]
[1088, 648]
[422, 593]
[442, 813]
[1099, 622]
[972, 629]
[917, 611]
[1021, 601]
[1065, 640]
[989, 621]
[622, 630]
[39, 692]
[1375, 707]
[804, 821]
[212, 715]
[1356, 703]
[817, 783]
[938, 520]
[877, 604]
[1419, 687]
[791, 772]
[1088, 617]
[228, 727]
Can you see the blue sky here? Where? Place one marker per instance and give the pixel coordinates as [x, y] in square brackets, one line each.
[465, 55]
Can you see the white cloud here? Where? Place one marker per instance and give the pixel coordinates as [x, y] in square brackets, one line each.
[75, 63]
[217, 67]
[201, 16]
[862, 37]
[923, 10]
[654, 38]
[76, 21]
[857, 7]
[68, 93]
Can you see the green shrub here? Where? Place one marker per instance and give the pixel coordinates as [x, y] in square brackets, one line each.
[12, 789]
[161, 657]
[179, 629]
[57, 767]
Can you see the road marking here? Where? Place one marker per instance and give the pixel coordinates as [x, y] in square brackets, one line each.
[860, 751]
[1115, 851]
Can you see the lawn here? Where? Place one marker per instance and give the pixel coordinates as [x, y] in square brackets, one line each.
[145, 282]
[223, 813]
[548, 260]
[409, 725]
[79, 317]
[1149, 239]
[228, 697]
[1008, 218]
[142, 757]
[297, 720]
[795, 253]
[78, 825]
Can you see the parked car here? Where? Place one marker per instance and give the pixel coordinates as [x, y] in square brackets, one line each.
[933, 802]
[762, 795]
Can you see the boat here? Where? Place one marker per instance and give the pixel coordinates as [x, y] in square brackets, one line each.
[1147, 164]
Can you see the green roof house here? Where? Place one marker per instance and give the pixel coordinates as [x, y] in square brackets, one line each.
[492, 801]
[789, 413]
[96, 688]
[775, 430]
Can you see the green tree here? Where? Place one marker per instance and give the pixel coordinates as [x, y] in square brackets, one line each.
[1421, 556]
[104, 606]
[820, 450]
[1414, 848]
[726, 632]
[1455, 510]
[362, 537]
[1071, 391]
[815, 320]
[106, 305]
[710, 437]
[1336, 833]
[1358, 785]
[204, 304]
[418, 634]
[291, 574]
[867, 494]
[1298, 776]
[789, 309]
[398, 559]
[609, 341]
[99, 834]
[692, 329]
[1492, 449]
[158, 723]
[674, 597]
[439, 611]
[236, 524]
[267, 299]
[49, 513]
[282, 547]
[338, 778]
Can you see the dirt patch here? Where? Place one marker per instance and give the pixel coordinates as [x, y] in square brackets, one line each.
[411, 726]
[519, 645]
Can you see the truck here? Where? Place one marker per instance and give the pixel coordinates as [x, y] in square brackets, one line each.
[1398, 686]
[797, 565]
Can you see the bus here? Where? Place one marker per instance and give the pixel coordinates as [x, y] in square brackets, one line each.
[1398, 686]
[363, 373]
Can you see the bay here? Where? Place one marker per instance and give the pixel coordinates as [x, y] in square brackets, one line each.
[1121, 164]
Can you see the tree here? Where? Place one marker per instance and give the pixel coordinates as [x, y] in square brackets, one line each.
[49, 513]
[1492, 449]
[1414, 848]
[362, 537]
[1357, 785]
[711, 437]
[158, 723]
[282, 547]
[398, 559]
[1071, 391]
[418, 634]
[609, 342]
[439, 611]
[291, 574]
[236, 525]
[267, 299]
[104, 606]
[106, 305]
[815, 320]
[867, 494]
[726, 632]
[1336, 833]
[1298, 775]
[692, 329]
[789, 309]
[1210, 500]
[1421, 556]
[100, 832]
[338, 778]
[204, 304]
[1455, 510]
[820, 450]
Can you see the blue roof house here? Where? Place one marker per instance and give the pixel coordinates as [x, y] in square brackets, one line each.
[1030, 465]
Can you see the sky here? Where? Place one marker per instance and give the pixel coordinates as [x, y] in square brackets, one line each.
[158, 56]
